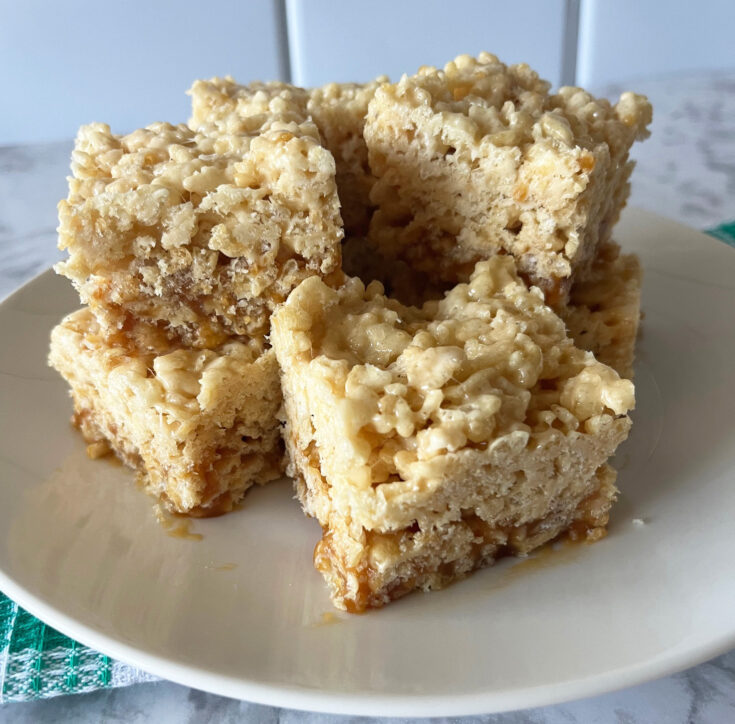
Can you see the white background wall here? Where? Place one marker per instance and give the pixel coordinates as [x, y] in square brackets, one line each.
[359, 40]
[125, 62]
[68, 62]
[621, 39]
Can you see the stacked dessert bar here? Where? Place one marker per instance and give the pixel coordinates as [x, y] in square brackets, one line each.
[455, 374]
[181, 244]
[429, 441]
[480, 159]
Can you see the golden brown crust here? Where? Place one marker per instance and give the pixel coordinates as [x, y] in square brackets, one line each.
[368, 569]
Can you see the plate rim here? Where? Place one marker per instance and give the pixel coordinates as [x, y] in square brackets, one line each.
[374, 704]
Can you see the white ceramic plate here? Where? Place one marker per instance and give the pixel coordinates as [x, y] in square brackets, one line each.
[81, 549]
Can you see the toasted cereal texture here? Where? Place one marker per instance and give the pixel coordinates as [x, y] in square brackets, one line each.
[195, 237]
[480, 158]
[367, 569]
[199, 425]
[604, 309]
[475, 405]
[602, 314]
[228, 105]
[338, 110]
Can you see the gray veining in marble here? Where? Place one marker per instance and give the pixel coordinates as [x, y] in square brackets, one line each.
[703, 695]
[686, 171]
[32, 180]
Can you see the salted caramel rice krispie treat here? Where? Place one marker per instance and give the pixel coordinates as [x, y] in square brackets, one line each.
[197, 236]
[479, 158]
[429, 441]
[199, 425]
[339, 111]
[227, 103]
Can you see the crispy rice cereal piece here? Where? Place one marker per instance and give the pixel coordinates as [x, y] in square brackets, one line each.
[480, 158]
[339, 111]
[604, 309]
[407, 419]
[199, 425]
[196, 237]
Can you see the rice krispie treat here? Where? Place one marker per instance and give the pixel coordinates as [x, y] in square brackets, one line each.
[339, 111]
[195, 237]
[199, 425]
[408, 422]
[604, 309]
[479, 158]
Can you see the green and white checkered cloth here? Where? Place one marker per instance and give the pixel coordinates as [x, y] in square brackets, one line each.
[37, 662]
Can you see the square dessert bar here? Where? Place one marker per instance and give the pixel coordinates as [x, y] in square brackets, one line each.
[226, 103]
[199, 425]
[195, 237]
[409, 428]
[338, 110]
[480, 158]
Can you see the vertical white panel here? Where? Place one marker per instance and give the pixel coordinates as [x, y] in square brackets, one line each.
[571, 36]
[345, 41]
[641, 38]
[70, 62]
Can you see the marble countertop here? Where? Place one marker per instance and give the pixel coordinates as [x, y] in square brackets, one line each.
[686, 171]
